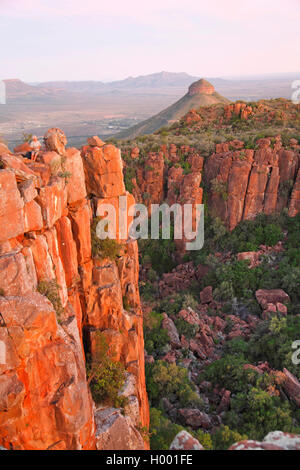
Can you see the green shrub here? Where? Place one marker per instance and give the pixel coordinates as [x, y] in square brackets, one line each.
[105, 377]
[162, 430]
[160, 252]
[230, 373]
[204, 438]
[272, 342]
[224, 437]
[170, 381]
[156, 338]
[237, 346]
[185, 328]
[50, 289]
[65, 174]
[129, 174]
[101, 249]
[148, 291]
[257, 413]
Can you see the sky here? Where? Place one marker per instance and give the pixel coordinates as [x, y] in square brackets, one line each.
[112, 39]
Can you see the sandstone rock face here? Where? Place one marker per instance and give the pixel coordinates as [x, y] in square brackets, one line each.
[156, 182]
[11, 210]
[184, 441]
[245, 182]
[45, 216]
[112, 302]
[45, 401]
[103, 170]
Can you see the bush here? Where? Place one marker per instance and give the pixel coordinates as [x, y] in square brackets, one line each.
[272, 342]
[2, 292]
[170, 381]
[105, 377]
[162, 430]
[129, 174]
[229, 372]
[185, 328]
[224, 437]
[204, 438]
[101, 249]
[237, 346]
[50, 289]
[160, 253]
[257, 413]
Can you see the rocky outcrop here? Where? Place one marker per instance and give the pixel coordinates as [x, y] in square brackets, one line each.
[184, 441]
[162, 177]
[276, 440]
[46, 209]
[116, 431]
[240, 182]
[201, 87]
[244, 182]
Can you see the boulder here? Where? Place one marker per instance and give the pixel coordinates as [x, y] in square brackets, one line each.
[115, 431]
[95, 141]
[194, 418]
[47, 403]
[206, 295]
[23, 149]
[273, 296]
[169, 325]
[103, 171]
[184, 441]
[225, 402]
[291, 386]
[55, 140]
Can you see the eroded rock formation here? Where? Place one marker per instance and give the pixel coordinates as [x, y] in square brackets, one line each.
[46, 209]
[240, 182]
[245, 182]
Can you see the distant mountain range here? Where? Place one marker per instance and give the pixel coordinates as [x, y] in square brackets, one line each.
[200, 93]
[155, 80]
[84, 108]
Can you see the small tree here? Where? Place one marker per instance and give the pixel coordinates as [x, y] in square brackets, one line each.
[105, 377]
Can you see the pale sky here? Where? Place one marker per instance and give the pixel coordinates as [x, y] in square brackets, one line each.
[113, 39]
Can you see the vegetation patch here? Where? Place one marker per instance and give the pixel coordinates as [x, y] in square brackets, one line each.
[102, 249]
[105, 376]
[50, 289]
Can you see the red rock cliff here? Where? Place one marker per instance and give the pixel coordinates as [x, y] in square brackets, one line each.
[240, 182]
[245, 182]
[46, 209]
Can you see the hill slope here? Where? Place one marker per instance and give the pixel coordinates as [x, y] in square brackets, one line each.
[200, 93]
